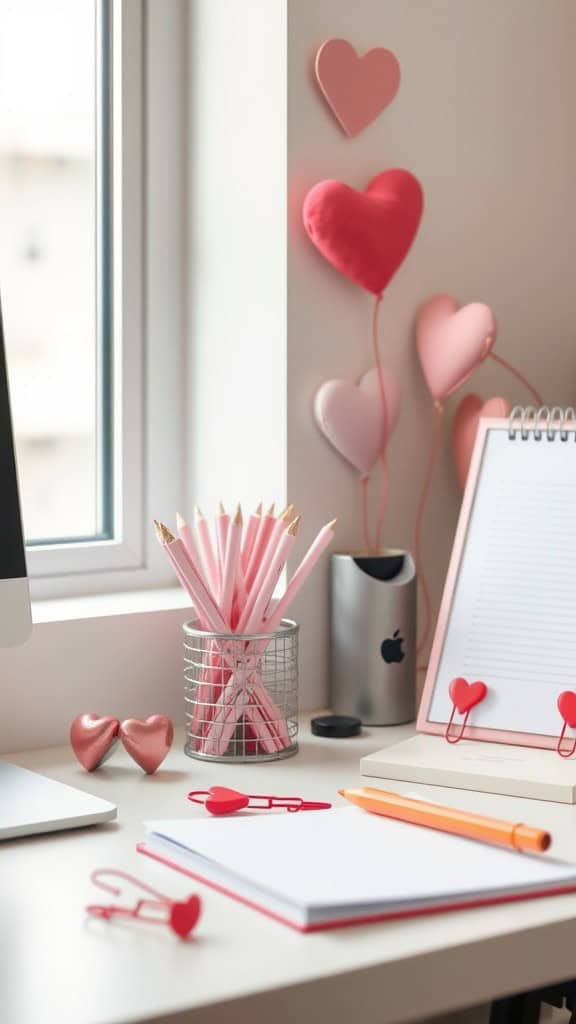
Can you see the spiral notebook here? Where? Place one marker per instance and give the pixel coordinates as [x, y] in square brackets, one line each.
[508, 612]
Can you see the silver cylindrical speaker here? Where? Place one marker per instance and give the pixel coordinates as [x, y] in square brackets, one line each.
[373, 637]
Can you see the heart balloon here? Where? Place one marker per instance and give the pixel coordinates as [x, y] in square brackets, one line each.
[465, 427]
[365, 235]
[452, 342]
[567, 707]
[356, 89]
[350, 416]
[466, 695]
[148, 741]
[93, 739]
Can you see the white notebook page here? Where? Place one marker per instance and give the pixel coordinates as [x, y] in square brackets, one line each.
[513, 618]
[347, 857]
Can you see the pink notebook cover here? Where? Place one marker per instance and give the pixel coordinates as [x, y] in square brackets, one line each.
[424, 724]
[562, 890]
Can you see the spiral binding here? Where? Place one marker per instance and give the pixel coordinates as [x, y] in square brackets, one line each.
[536, 423]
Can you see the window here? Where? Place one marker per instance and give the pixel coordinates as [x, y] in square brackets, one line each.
[70, 276]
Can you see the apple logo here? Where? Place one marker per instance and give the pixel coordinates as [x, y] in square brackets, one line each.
[391, 648]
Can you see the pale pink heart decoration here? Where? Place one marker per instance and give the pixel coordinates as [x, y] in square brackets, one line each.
[452, 342]
[465, 427]
[350, 416]
[356, 89]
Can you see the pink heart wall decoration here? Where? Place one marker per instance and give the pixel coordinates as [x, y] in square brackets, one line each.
[365, 235]
[452, 342]
[465, 427]
[350, 416]
[355, 88]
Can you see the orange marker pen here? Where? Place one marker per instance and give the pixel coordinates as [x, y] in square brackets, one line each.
[449, 819]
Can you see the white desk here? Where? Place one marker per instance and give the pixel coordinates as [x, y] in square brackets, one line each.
[57, 967]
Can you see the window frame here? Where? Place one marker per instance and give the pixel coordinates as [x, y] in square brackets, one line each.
[146, 316]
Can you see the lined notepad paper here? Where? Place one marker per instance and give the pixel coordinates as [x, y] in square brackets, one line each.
[512, 621]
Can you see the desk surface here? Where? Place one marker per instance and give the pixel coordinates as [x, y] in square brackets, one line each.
[57, 966]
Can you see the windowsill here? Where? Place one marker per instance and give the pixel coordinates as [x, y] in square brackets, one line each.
[97, 606]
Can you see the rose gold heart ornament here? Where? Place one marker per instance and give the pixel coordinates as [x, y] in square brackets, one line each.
[93, 738]
[147, 741]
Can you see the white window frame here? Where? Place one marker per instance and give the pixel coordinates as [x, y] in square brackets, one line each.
[148, 199]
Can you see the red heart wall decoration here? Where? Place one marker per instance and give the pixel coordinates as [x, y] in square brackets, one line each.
[365, 235]
[355, 88]
[466, 695]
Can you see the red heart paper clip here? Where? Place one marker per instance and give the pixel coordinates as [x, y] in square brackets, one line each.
[221, 800]
[464, 696]
[180, 916]
[567, 708]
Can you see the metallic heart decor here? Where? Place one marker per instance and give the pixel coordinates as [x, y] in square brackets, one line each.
[147, 741]
[93, 738]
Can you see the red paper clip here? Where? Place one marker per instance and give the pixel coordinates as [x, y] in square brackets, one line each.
[221, 800]
[464, 696]
[179, 915]
[567, 707]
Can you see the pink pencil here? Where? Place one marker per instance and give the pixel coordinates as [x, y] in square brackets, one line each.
[230, 569]
[222, 527]
[301, 574]
[250, 536]
[265, 528]
[195, 586]
[266, 580]
[187, 538]
[206, 551]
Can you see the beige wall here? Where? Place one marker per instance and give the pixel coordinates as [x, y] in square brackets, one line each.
[485, 118]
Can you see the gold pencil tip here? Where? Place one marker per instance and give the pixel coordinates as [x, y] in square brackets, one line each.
[221, 509]
[293, 528]
[331, 524]
[270, 511]
[238, 516]
[163, 533]
[287, 514]
[258, 511]
[341, 792]
[180, 521]
[198, 512]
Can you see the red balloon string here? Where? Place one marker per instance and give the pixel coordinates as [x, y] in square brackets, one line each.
[384, 438]
[433, 458]
[365, 480]
[519, 376]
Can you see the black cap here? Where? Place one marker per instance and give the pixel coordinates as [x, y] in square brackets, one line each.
[336, 726]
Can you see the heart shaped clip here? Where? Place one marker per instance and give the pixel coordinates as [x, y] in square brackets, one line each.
[181, 916]
[464, 696]
[221, 800]
[567, 708]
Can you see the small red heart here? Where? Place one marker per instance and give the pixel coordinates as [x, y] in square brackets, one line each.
[567, 707]
[466, 695]
[225, 801]
[93, 738]
[184, 915]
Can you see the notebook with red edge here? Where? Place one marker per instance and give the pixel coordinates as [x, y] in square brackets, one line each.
[327, 869]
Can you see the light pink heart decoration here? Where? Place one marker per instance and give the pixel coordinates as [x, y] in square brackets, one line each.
[148, 741]
[465, 427]
[452, 342]
[350, 416]
[356, 89]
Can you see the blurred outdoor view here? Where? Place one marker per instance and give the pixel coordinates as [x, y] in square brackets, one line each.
[48, 257]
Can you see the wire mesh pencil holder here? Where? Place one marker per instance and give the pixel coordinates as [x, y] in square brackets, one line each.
[241, 694]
